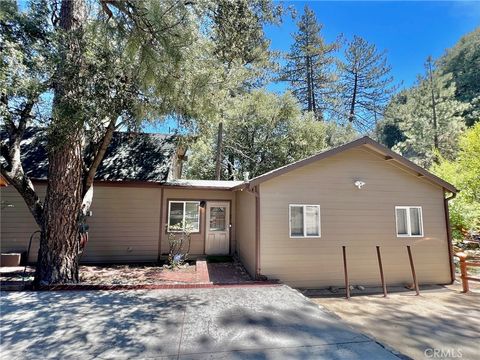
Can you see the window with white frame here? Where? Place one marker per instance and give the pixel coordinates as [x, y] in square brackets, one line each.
[183, 215]
[304, 221]
[409, 221]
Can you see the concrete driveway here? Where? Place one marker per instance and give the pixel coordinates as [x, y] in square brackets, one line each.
[221, 323]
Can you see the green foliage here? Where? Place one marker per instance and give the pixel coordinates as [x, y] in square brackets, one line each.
[27, 57]
[412, 113]
[464, 172]
[309, 69]
[264, 131]
[463, 62]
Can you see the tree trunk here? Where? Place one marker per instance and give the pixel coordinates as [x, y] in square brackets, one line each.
[58, 254]
[231, 162]
[351, 116]
[309, 85]
[218, 165]
[434, 105]
[59, 243]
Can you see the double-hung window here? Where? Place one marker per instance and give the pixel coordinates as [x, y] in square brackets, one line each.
[183, 215]
[409, 221]
[304, 221]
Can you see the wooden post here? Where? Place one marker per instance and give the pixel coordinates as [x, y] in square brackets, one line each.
[381, 272]
[463, 270]
[415, 282]
[345, 270]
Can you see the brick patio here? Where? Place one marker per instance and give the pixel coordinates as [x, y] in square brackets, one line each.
[116, 277]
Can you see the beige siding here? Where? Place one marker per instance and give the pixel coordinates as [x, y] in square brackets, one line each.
[246, 230]
[124, 226]
[16, 222]
[197, 246]
[357, 219]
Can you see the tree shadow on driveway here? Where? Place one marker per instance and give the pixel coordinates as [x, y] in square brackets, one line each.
[263, 322]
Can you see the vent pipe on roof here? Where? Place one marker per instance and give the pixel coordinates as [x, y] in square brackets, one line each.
[246, 176]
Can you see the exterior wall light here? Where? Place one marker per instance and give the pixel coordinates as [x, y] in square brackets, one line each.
[359, 184]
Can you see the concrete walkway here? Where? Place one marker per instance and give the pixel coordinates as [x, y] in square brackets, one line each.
[223, 323]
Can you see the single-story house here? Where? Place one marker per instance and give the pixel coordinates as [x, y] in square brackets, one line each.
[288, 224]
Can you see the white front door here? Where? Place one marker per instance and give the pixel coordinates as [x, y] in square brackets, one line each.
[217, 234]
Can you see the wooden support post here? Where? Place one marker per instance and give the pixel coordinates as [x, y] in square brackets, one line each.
[345, 270]
[463, 271]
[384, 285]
[415, 282]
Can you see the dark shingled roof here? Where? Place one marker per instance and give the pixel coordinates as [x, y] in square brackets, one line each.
[129, 157]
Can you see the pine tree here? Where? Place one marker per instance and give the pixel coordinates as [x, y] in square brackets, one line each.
[430, 119]
[142, 64]
[309, 66]
[366, 83]
[241, 48]
[463, 61]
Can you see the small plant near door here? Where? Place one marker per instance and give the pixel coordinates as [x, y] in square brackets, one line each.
[179, 241]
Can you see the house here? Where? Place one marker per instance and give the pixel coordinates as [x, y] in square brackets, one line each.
[289, 224]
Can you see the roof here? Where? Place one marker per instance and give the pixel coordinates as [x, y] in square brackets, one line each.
[204, 184]
[129, 157]
[364, 141]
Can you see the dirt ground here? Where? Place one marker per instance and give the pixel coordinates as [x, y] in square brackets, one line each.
[441, 319]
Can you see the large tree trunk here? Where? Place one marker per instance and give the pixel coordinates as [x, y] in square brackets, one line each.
[59, 243]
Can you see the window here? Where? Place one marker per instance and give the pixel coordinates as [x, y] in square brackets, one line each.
[304, 221]
[217, 218]
[183, 215]
[409, 221]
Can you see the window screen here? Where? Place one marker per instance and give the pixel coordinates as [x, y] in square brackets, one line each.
[184, 215]
[304, 220]
[409, 221]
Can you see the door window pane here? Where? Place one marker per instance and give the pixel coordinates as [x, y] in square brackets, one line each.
[415, 221]
[312, 220]
[402, 227]
[296, 221]
[217, 218]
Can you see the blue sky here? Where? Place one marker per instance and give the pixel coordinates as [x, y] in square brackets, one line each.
[409, 30]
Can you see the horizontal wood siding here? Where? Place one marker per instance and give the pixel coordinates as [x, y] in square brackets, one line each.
[197, 246]
[245, 232]
[357, 219]
[17, 223]
[124, 226]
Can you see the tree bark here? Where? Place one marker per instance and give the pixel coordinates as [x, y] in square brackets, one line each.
[351, 116]
[218, 165]
[309, 85]
[59, 243]
[434, 104]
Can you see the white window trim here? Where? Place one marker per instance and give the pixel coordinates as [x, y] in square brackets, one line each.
[409, 230]
[184, 212]
[304, 222]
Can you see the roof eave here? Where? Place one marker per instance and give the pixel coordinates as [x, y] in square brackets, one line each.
[359, 142]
